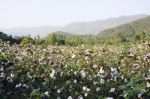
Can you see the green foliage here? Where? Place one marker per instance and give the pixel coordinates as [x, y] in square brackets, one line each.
[140, 36]
[51, 39]
[121, 37]
[73, 40]
[3, 36]
[26, 40]
[35, 93]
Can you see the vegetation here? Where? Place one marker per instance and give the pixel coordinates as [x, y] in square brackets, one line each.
[75, 72]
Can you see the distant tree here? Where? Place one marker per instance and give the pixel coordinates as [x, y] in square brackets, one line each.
[60, 40]
[26, 40]
[121, 37]
[53, 39]
[37, 40]
[143, 35]
[140, 36]
[3, 36]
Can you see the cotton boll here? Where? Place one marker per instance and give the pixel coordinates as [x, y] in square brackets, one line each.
[10, 80]
[109, 98]
[80, 97]
[58, 97]
[98, 89]
[47, 93]
[83, 74]
[70, 97]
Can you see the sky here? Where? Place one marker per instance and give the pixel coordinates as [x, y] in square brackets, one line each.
[34, 13]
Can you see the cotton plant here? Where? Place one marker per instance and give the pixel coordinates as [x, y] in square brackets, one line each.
[82, 72]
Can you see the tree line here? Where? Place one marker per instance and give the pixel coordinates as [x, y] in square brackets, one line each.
[73, 40]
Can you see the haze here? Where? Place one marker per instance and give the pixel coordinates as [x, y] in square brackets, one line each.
[33, 13]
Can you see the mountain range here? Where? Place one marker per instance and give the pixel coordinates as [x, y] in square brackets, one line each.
[81, 28]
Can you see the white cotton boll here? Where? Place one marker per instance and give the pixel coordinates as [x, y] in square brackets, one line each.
[52, 74]
[9, 80]
[88, 89]
[148, 77]
[101, 70]
[18, 85]
[59, 90]
[80, 97]
[98, 89]
[109, 98]
[61, 74]
[114, 71]
[135, 66]
[26, 86]
[75, 81]
[147, 56]
[2, 75]
[75, 73]
[2, 69]
[85, 94]
[140, 95]
[86, 58]
[95, 66]
[44, 50]
[70, 97]
[84, 88]
[148, 84]
[115, 78]
[73, 56]
[143, 91]
[83, 74]
[47, 93]
[102, 81]
[12, 75]
[131, 55]
[29, 75]
[95, 82]
[58, 98]
[112, 90]
[125, 80]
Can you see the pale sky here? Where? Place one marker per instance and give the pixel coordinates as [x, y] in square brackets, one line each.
[32, 13]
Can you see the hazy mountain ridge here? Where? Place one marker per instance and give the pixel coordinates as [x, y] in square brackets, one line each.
[99, 25]
[81, 28]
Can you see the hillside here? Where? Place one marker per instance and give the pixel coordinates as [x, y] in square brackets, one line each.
[128, 30]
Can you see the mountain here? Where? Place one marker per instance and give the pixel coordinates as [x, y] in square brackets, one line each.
[129, 29]
[81, 28]
[33, 31]
[99, 25]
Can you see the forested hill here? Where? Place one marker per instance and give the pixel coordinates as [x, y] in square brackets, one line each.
[128, 30]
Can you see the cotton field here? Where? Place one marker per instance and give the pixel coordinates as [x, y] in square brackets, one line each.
[81, 72]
